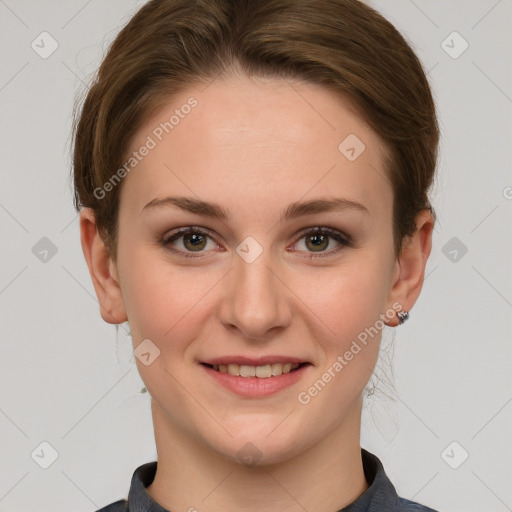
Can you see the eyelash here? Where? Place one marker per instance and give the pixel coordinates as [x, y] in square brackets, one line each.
[341, 238]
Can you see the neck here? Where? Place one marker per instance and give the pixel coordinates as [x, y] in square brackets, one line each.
[190, 476]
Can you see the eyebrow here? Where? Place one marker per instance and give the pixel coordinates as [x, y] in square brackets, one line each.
[294, 210]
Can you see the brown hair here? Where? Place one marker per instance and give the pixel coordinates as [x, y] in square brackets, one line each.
[343, 44]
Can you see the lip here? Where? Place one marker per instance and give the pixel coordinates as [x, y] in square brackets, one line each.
[254, 361]
[255, 387]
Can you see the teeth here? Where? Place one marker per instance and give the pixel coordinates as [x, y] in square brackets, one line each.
[263, 372]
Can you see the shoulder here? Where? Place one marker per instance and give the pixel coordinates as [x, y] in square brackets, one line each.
[117, 506]
[412, 506]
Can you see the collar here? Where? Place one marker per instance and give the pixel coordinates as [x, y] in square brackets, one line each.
[381, 495]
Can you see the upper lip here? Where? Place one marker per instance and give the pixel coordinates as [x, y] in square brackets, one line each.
[253, 361]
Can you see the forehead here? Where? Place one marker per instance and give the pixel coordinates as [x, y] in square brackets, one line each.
[257, 138]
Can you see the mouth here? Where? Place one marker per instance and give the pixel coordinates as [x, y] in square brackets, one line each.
[261, 371]
[256, 377]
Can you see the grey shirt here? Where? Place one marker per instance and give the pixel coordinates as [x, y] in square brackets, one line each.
[380, 496]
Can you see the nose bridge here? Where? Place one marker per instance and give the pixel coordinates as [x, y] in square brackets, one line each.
[255, 301]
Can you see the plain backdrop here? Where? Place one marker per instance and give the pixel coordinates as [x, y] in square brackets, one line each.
[70, 392]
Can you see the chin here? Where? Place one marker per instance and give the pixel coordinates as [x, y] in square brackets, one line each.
[259, 450]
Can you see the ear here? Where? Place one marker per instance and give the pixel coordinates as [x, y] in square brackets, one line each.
[410, 266]
[102, 269]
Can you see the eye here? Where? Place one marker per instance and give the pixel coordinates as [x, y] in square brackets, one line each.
[195, 240]
[317, 240]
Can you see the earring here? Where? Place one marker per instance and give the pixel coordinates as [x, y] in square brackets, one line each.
[402, 316]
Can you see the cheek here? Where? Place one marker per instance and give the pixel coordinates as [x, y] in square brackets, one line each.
[163, 300]
[163, 305]
[348, 302]
[350, 306]
[347, 298]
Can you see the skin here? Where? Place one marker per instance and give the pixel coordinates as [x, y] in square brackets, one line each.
[254, 146]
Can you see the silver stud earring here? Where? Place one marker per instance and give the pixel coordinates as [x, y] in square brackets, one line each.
[402, 316]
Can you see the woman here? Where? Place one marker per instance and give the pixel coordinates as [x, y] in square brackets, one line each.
[253, 182]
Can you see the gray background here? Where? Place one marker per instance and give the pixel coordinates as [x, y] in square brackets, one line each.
[64, 379]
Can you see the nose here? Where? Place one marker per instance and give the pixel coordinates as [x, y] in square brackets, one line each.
[256, 299]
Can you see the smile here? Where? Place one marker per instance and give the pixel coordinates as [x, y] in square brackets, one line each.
[249, 381]
[262, 372]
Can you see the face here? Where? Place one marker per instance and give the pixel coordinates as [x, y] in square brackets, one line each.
[271, 281]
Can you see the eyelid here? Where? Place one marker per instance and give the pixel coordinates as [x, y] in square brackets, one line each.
[327, 230]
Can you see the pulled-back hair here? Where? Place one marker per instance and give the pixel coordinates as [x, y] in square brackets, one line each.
[343, 44]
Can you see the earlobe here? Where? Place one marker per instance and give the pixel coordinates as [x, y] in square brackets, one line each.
[411, 265]
[102, 270]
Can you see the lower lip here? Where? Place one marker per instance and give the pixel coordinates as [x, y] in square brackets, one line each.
[254, 387]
